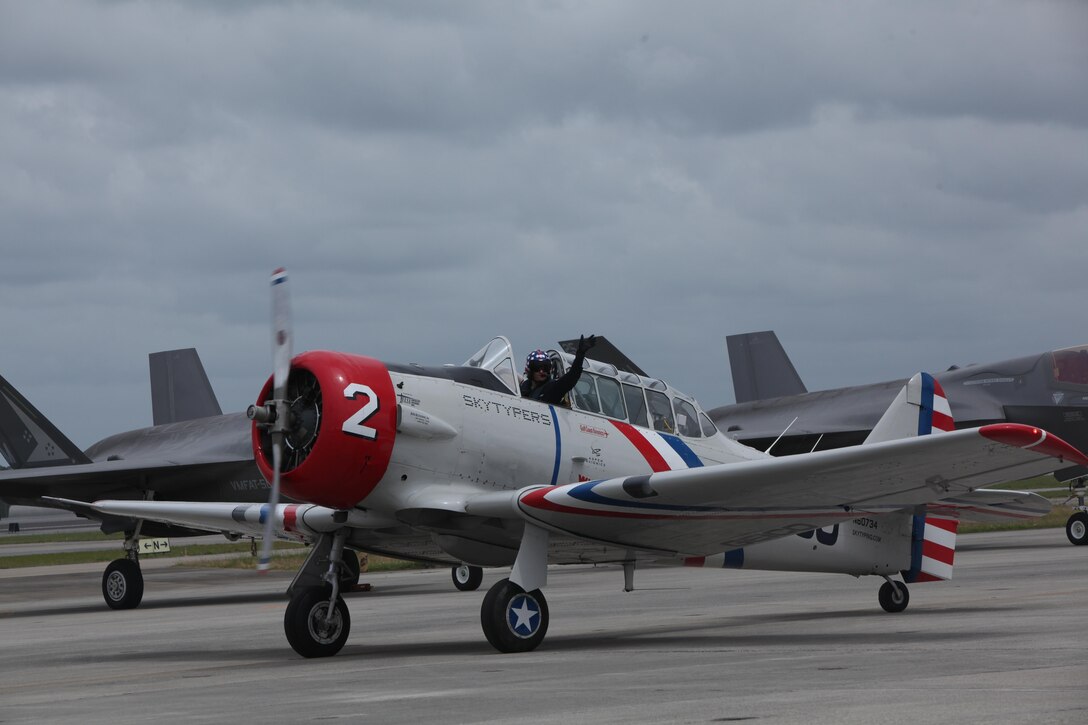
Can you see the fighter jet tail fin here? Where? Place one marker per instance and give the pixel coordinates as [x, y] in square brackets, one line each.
[27, 438]
[761, 369]
[919, 409]
[180, 389]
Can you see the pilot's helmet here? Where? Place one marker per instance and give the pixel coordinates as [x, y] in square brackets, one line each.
[537, 360]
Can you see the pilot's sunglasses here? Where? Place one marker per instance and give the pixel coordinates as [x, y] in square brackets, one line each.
[539, 367]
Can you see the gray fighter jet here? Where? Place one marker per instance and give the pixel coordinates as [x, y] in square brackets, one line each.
[193, 451]
[775, 411]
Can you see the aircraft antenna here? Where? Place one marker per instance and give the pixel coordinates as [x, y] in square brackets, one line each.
[817, 443]
[782, 434]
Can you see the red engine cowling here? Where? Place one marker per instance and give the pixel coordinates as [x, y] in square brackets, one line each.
[341, 431]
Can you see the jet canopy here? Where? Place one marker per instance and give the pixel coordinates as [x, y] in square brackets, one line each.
[1070, 366]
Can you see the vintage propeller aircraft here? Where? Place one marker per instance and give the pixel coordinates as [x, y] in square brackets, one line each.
[192, 452]
[403, 458]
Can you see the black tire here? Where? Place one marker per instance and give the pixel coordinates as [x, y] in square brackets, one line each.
[123, 584]
[893, 598]
[514, 620]
[467, 578]
[1076, 528]
[305, 626]
[351, 571]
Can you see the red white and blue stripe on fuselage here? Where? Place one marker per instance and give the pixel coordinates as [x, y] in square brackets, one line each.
[661, 451]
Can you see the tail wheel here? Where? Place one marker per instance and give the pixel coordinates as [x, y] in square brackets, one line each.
[1076, 528]
[514, 620]
[467, 578]
[309, 629]
[123, 584]
[893, 596]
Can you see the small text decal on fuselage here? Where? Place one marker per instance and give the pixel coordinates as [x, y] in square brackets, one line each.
[511, 411]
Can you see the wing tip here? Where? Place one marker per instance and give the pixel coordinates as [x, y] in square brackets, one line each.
[1035, 439]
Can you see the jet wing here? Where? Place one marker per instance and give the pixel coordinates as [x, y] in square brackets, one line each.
[110, 474]
[708, 510]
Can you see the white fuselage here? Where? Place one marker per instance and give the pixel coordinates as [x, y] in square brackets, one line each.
[502, 442]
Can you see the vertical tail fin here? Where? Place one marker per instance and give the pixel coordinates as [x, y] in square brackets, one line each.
[761, 369]
[179, 387]
[919, 409]
[27, 438]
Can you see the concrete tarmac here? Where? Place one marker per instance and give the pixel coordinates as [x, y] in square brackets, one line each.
[1004, 642]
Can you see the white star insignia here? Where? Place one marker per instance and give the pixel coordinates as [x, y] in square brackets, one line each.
[525, 615]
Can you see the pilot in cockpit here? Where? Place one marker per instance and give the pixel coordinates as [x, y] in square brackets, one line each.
[538, 384]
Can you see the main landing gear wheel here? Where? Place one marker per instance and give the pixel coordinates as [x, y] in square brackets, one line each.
[307, 627]
[351, 571]
[467, 578]
[1076, 528]
[514, 620]
[123, 584]
[893, 596]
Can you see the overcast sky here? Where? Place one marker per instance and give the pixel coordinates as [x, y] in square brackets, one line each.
[890, 187]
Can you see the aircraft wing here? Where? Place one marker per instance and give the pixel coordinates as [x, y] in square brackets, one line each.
[296, 521]
[991, 506]
[702, 511]
[126, 479]
[108, 473]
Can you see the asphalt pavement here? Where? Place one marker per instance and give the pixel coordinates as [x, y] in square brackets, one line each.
[1004, 642]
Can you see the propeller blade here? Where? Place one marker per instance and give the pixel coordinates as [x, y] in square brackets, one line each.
[281, 369]
[281, 333]
[265, 560]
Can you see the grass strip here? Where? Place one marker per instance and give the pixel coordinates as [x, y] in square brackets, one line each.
[83, 557]
[291, 562]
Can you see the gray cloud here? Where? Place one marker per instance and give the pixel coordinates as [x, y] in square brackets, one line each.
[892, 187]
